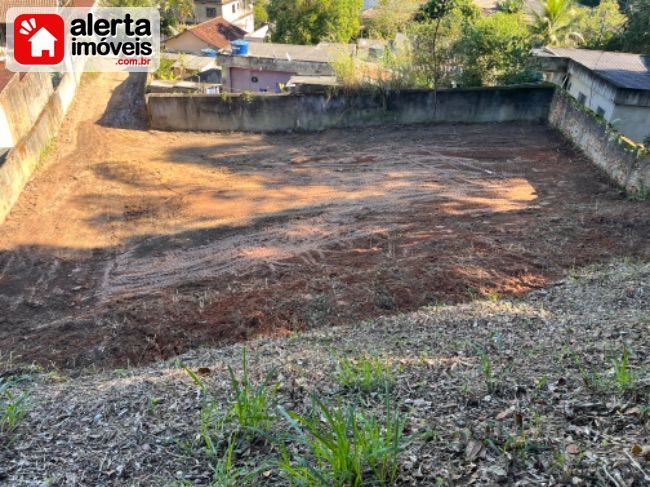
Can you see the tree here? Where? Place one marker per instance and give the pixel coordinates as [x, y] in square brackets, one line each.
[510, 6]
[599, 25]
[432, 12]
[636, 35]
[176, 12]
[260, 12]
[555, 25]
[390, 17]
[495, 51]
[433, 40]
[128, 3]
[313, 21]
[172, 12]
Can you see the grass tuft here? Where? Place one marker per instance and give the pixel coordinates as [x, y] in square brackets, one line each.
[344, 446]
[365, 373]
[13, 408]
[622, 374]
[249, 407]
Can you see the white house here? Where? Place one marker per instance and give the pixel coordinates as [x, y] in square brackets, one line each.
[41, 42]
[237, 12]
[615, 85]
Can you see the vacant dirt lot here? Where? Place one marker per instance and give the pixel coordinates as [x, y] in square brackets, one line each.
[131, 245]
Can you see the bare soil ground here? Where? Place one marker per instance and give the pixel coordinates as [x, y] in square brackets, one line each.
[131, 245]
[556, 413]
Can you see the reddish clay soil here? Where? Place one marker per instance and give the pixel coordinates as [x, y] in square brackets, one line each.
[132, 245]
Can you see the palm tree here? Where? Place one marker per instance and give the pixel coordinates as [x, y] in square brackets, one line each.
[554, 24]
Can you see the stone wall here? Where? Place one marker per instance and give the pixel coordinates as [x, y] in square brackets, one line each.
[623, 160]
[34, 122]
[313, 112]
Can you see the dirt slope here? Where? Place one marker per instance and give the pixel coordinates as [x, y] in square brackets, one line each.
[556, 415]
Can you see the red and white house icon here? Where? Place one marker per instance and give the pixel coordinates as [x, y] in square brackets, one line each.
[39, 39]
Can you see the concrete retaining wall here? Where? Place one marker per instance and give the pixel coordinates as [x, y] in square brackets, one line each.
[620, 158]
[313, 112]
[34, 132]
[22, 101]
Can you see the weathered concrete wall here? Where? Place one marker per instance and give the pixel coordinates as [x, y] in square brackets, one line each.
[633, 121]
[623, 160]
[22, 101]
[21, 161]
[241, 80]
[313, 112]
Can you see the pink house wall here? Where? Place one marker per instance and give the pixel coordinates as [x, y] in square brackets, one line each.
[241, 80]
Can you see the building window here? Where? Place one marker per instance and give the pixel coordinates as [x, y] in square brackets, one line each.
[211, 12]
[582, 98]
[600, 111]
[234, 8]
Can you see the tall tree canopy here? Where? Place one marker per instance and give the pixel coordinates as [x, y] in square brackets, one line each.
[600, 24]
[261, 13]
[390, 17]
[495, 51]
[555, 24]
[440, 24]
[636, 37]
[313, 21]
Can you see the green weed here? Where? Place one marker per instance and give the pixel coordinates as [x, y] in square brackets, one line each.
[13, 408]
[344, 447]
[247, 97]
[641, 194]
[248, 407]
[227, 474]
[591, 378]
[365, 373]
[622, 373]
[488, 372]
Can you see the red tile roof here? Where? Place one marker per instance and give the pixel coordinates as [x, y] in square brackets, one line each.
[217, 32]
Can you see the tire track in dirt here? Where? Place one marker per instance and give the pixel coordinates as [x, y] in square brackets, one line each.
[104, 255]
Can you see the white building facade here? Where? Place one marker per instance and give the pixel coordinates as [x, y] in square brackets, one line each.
[614, 85]
[237, 12]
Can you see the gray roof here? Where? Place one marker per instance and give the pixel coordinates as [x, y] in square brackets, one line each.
[314, 80]
[624, 70]
[190, 61]
[323, 53]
